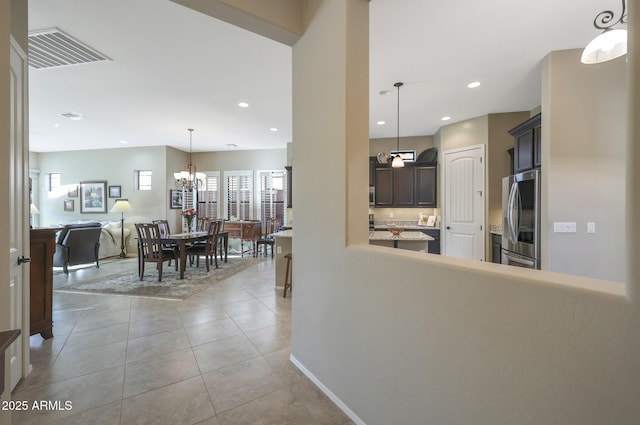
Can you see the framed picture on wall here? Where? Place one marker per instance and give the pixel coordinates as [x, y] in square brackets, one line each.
[69, 205]
[115, 191]
[73, 192]
[175, 199]
[93, 197]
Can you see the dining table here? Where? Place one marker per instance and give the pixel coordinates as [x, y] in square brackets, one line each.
[182, 240]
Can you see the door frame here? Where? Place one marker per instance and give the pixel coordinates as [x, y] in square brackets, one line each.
[483, 207]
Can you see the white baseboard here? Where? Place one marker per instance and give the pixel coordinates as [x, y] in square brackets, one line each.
[350, 413]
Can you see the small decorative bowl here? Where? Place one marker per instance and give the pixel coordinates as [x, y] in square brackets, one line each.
[395, 231]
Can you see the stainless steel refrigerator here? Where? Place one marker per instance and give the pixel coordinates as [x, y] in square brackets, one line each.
[521, 220]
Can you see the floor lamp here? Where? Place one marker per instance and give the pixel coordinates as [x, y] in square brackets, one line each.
[122, 206]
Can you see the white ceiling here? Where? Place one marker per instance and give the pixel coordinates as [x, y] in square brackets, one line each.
[173, 68]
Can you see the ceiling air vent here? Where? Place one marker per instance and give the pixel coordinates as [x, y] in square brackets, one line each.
[52, 47]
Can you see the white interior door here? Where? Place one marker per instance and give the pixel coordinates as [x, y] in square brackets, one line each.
[464, 194]
[18, 353]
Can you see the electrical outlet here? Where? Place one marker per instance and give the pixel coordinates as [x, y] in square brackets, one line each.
[390, 215]
[591, 227]
[279, 250]
[564, 227]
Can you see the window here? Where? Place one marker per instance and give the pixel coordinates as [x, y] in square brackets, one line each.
[54, 181]
[272, 195]
[209, 195]
[238, 195]
[143, 179]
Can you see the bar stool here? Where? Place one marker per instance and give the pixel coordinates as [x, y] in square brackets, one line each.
[287, 275]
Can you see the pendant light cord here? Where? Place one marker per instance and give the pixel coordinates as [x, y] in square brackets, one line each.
[398, 85]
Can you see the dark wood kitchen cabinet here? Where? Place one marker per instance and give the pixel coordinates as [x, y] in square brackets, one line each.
[373, 161]
[414, 185]
[42, 246]
[404, 180]
[384, 186]
[526, 155]
[425, 187]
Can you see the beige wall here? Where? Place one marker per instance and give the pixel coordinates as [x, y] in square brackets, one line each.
[583, 153]
[474, 131]
[116, 166]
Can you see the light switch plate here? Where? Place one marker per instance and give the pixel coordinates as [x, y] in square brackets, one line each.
[564, 227]
[591, 227]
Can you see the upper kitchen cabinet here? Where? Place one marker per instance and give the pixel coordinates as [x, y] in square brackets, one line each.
[426, 184]
[414, 185]
[526, 155]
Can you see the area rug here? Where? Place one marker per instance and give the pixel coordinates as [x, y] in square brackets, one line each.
[196, 279]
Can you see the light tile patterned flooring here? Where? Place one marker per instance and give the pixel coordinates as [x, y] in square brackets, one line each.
[220, 357]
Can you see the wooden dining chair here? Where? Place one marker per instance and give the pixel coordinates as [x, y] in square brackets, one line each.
[248, 235]
[209, 249]
[270, 227]
[165, 230]
[151, 249]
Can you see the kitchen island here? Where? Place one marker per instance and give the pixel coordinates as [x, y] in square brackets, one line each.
[413, 241]
[282, 248]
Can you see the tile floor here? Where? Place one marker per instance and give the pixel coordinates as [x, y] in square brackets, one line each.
[220, 357]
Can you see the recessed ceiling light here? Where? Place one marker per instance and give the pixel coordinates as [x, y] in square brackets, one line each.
[384, 92]
[56, 125]
[474, 84]
[381, 122]
[231, 145]
[243, 104]
[447, 118]
[123, 142]
[273, 129]
[73, 116]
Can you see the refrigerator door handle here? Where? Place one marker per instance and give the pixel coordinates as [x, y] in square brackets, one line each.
[512, 195]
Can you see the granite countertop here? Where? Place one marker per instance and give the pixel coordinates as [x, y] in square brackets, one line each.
[379, 226]
[283, 234]
[404, 236]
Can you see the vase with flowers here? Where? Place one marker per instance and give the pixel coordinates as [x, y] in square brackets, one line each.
[189, 215]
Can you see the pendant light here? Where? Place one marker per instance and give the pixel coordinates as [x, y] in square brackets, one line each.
[612, 43]
[398, 162]
[189, 179]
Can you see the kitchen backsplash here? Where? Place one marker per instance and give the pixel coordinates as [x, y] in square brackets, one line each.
[397, 215]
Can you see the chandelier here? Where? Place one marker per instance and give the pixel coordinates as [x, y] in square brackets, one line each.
[189, 179]
[612, 43]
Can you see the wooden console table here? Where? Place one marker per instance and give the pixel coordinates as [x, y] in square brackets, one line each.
[6, 338]
[43, 246]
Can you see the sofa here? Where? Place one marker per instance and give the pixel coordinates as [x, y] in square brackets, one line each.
[77, 244]
[110, 239]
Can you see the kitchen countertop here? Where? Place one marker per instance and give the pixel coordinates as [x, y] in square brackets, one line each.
[404, 236]
[283, 234]
[406, 227]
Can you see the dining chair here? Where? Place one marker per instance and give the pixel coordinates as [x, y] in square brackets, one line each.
[209, 248]
[270, 227]
[248, 235]
[202, 225]
[163, 226]
[151, 249]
